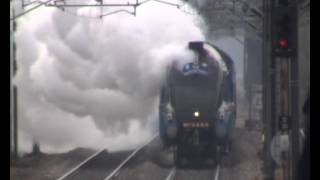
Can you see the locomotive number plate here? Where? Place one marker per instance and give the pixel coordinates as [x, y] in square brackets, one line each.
[196, 125]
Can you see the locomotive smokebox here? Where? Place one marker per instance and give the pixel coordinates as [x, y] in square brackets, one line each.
[196, 46]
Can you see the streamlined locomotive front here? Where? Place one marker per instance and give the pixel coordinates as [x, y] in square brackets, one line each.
[189, 104]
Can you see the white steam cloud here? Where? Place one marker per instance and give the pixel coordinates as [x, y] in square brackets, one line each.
[95, 83]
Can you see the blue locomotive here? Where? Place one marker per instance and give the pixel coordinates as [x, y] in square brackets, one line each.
[197, 108]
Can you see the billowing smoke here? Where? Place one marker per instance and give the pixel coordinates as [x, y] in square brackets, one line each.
[95, 82]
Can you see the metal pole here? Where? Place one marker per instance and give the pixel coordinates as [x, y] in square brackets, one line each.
[13, 90]
[15, 124]
[294, 86]
[11, 86]
[267, 91]
[250, 101]
[284, 80]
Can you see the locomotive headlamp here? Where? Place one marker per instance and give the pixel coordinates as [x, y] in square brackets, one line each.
[196, 114]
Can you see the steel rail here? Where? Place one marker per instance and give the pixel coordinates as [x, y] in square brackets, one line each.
[116, 170]
[171, 174]
[217, 174]
[79, 165]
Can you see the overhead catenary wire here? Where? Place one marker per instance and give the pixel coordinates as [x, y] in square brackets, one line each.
[78, 15]
[29, 10]
[64, 7]
[133, 5]
[118, 11]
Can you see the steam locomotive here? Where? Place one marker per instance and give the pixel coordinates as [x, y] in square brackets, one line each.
[197, 106]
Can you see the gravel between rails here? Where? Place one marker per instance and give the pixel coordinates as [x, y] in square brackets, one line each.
[151, 163]
[99, 167]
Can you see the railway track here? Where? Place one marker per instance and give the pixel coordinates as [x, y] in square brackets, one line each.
[116, 171]
[179, 174]
[134, 165]
[101, 165]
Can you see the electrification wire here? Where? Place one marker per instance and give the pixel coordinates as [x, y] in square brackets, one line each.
[29, 10]
[77, 15]
[122, 10]
[179, 6]
[25, 5]
[117, 11]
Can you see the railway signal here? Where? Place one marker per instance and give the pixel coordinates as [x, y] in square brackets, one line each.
[284, 31]
[284, 123]
[281, 114]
